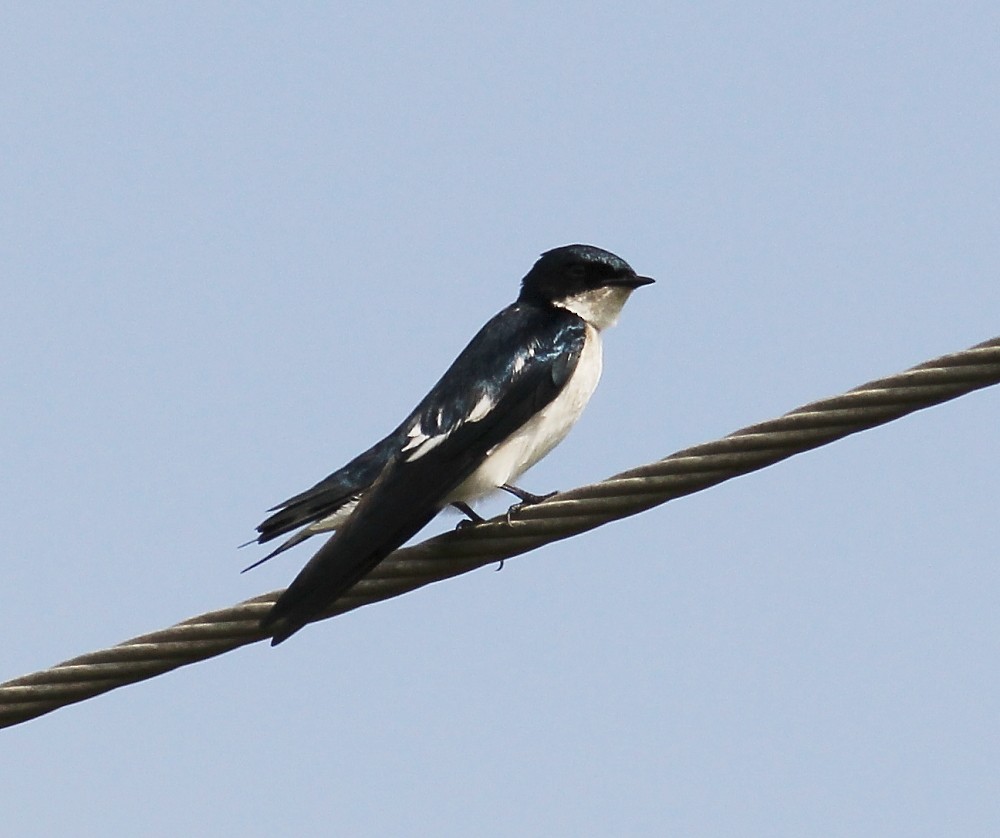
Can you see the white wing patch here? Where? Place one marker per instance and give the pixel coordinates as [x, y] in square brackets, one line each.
[507, 460]
[481, 408]
[520, 360]
[420, 443]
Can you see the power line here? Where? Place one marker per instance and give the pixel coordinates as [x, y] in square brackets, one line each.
[566, 514]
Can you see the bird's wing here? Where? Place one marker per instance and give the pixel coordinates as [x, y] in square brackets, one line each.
[445, 438]
[331, 493]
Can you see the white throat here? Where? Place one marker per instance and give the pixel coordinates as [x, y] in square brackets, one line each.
[600, 307]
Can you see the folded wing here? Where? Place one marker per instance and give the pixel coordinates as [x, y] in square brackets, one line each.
[493, 388]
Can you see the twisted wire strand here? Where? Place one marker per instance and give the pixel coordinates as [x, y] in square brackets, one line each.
[564, 515]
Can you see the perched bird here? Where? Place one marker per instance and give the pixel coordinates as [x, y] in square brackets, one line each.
[507, 400]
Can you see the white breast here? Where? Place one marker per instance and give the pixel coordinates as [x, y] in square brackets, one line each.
[543, 432]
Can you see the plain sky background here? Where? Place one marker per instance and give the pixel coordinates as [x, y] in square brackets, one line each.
[240, 240]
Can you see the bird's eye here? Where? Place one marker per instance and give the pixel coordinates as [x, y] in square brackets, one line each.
[576, 271]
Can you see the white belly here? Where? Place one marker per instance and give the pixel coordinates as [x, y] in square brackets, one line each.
[540, 434]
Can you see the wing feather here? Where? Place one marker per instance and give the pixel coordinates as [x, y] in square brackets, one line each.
[514, 381]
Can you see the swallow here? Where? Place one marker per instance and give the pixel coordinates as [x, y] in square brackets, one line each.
[506, 401]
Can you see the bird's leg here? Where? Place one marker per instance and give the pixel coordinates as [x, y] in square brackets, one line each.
[473, 517]
[527, 498]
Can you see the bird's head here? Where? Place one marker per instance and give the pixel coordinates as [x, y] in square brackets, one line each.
[591, 282]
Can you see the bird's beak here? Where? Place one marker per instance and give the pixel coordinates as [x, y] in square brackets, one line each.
[634, 282]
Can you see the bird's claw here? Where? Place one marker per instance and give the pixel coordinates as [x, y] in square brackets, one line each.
[473, 516]
[527, 499]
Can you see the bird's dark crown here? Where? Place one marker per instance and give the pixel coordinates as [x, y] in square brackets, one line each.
[573, 269]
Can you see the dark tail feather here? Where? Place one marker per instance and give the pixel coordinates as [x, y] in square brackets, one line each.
[344, 560]
[332, 492]
[298, 538]
[282, 630]
[293, 515]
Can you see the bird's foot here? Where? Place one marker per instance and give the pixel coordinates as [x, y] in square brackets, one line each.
[527, 498]
[472, 518]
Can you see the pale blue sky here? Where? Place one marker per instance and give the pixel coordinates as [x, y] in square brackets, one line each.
[240, 241]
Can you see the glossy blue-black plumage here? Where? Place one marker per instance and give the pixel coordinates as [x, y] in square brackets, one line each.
[516, 366]
[524, 350]
[482, 370]
[331, 493]
[517, 363]
[566, 270]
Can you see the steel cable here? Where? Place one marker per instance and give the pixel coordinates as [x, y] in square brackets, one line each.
[563, 515]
